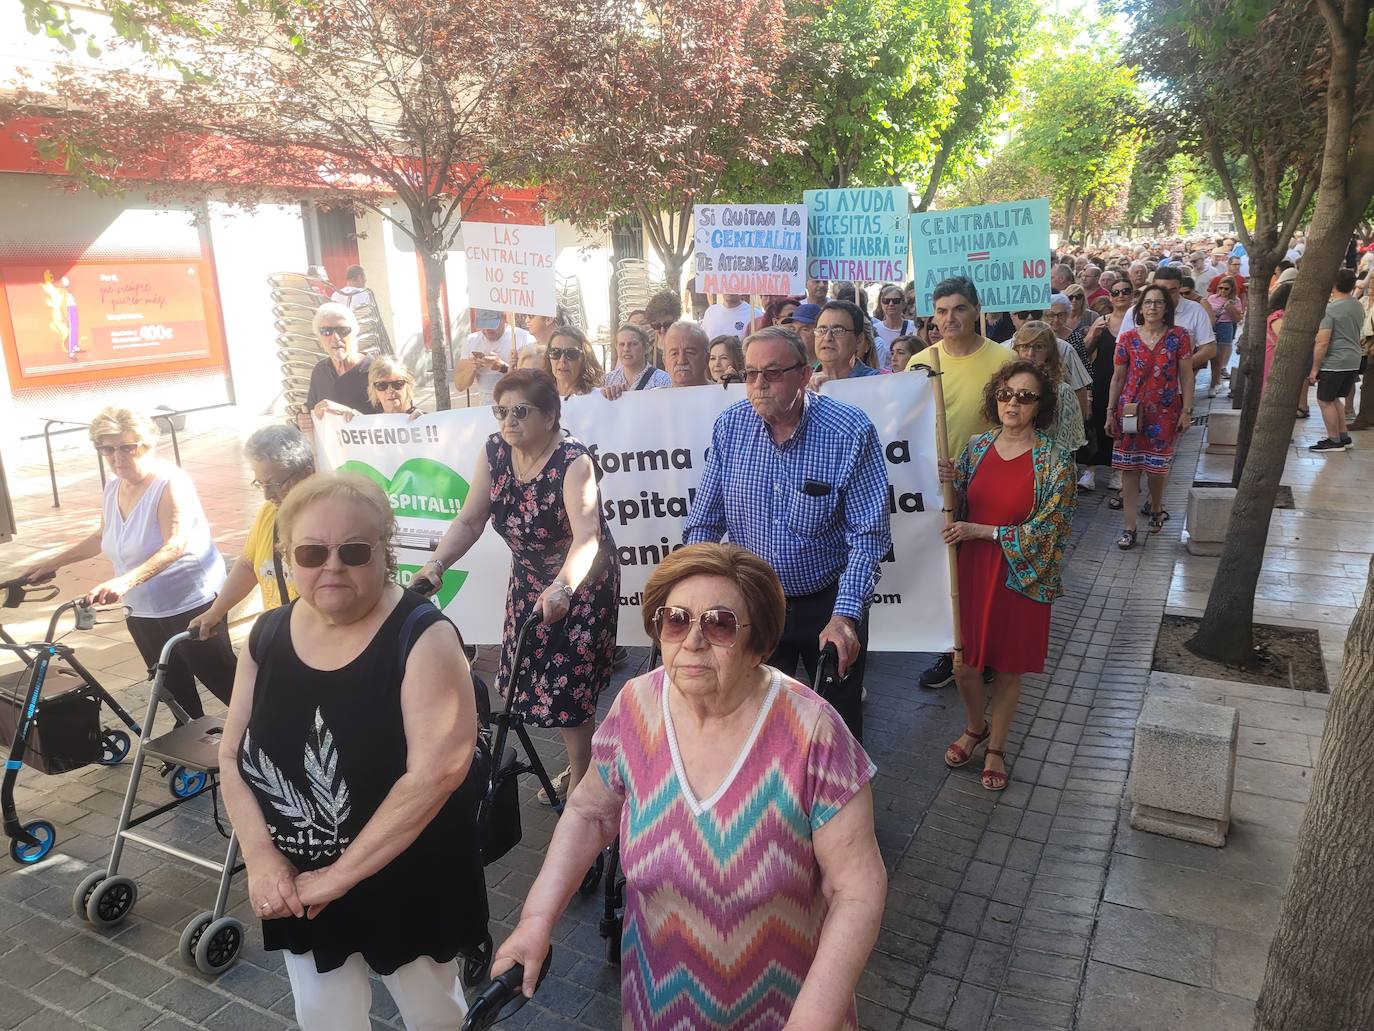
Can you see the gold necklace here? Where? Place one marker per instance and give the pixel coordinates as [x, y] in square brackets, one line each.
[524, 476]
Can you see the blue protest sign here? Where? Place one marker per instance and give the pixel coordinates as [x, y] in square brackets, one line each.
[1003, 248]
[857, 235]
[750, 248]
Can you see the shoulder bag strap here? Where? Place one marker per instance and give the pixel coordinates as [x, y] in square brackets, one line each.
[283, 596]
[644, 377]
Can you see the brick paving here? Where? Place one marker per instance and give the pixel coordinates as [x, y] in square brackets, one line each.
[993, 898]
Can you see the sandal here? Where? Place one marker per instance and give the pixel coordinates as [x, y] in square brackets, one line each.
[995, 780]
[1127, 540]
[1157, 520]
[1115, 503]
[1145, 511]
[560, 785]
[961, 757]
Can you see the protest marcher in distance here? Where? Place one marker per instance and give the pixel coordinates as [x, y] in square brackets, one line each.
[725, 360]
[1016, 489]
[280, 457]
[967, 362]
[1035, 342]
[664, 309]
[903, 348]
[338, 383]
[571, 363]
[686, 350]
[391, 387]
[490, 352]
[538, 489]
[799, 479]
[841, 331]
[342, 765]
[167, 569]
[702, 767]
[633, 348]
[803, 320]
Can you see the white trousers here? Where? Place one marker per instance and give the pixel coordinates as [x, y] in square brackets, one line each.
[428, 994]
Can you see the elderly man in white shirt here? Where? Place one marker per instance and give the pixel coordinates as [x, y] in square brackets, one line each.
[1189, 315]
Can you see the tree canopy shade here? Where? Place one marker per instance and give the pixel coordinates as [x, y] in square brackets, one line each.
[401, 106]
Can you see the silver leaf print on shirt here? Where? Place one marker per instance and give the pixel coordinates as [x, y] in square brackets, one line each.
[326, 783]
[317, 814]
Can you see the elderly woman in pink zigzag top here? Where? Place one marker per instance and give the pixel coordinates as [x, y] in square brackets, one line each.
[754, 885]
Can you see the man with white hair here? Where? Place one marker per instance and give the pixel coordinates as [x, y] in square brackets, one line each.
[1060, 278]
[338, 383]
[685, 350]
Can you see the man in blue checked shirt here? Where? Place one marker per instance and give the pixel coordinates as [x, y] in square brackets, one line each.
[799, 480]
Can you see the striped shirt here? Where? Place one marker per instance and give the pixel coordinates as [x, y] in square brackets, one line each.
[657, 379]
[755, 491]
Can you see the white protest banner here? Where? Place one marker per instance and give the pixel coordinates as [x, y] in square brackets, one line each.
[650, 447]
[750, 248]
[1003, 248]
[510, 267]
[857, 235]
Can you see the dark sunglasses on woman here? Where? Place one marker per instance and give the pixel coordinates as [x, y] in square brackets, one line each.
[571, 354]
[719, 626]
[312, 556]
[1023, 397]
[333, 331]
[391, 384]
[521, 412]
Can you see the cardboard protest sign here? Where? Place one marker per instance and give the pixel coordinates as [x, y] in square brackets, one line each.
[510, 267]
[1003, 248]
[857, 235]
[750, 248]
[650, 447]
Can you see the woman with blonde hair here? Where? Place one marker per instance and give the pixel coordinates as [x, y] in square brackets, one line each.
[391, 387]
[572, 363]
[167, 569]
[1035, 342]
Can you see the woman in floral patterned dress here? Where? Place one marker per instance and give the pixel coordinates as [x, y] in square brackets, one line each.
[538, 488]
[1017, 490]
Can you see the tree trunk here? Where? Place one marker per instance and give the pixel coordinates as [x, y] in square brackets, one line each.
[1262, 265]
[438, 338]
[1320, 972]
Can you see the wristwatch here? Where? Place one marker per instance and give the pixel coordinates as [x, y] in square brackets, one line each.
[567, 591]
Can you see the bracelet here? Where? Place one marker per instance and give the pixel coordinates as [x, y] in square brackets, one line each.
[567, 591]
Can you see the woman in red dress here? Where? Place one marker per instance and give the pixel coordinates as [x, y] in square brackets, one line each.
[1017, 489]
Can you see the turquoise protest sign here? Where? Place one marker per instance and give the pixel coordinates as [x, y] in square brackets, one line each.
[1003, 248]
[857, 235]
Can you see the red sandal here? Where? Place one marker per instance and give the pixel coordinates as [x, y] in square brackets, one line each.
[961, 757]
[995, 780]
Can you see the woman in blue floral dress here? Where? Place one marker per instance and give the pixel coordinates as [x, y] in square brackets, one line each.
[538, 488]
[1154, 370]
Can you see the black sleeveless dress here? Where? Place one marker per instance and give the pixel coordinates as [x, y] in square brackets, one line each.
[322, 751]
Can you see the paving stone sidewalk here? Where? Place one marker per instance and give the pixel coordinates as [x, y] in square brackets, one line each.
[994, 898]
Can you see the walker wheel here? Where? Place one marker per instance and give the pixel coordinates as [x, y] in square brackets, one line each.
[219, 946]
[475, 967]
[111, 901]
[593, 877]
[82, 895]
[190, 937]
[114, 746]
[184, 783]
[27, 855]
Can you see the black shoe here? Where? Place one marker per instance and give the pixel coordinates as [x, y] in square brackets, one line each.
[988, 675]
[1345, 439]
[939, 675]
[1327, 444]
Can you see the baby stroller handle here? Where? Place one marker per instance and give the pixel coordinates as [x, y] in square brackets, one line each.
[503, 996]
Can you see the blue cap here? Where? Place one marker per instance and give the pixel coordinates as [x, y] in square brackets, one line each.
[807, 314]
[488, 319]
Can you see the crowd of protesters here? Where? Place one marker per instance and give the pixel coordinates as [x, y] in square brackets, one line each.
[1088, 393]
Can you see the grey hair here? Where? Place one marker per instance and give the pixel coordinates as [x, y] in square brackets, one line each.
[693, 331]
[281, 445]
[338, 311]
[784, 333]
[1060, 299]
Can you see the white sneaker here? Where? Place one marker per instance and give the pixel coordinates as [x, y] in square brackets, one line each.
[1211, 391]
[1087, 481]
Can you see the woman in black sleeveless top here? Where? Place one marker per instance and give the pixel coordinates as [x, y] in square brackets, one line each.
[343, 767]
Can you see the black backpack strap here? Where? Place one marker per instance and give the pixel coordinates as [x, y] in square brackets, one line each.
[265, 630]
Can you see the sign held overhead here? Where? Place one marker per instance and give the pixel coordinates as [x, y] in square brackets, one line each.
[857, 235]
[510, 267]
[750, 248]
[1003, 248]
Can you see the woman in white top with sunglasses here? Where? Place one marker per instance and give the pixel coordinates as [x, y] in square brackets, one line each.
[167, 569]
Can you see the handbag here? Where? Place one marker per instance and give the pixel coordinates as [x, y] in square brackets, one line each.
[1130, 417]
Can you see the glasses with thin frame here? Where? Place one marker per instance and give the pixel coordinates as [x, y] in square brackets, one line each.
[351, 553]
[832, 331]
[720, 626]
[771, 375]
[109, 450]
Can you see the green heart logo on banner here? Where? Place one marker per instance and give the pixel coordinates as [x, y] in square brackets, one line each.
[448, 590]
[421, 488]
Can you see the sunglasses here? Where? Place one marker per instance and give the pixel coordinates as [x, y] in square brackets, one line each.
[719, 626]
[661, 327]
[391, 384]
[571, 354]
[1122, 293]
[521, 412]
[1021, 397]
[894, 300]
[770, 375]
[107, 450]
[1025, 315]
[332, 331]
[312, 556]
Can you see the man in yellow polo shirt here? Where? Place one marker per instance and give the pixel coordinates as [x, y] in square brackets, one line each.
[967, 362]
[280, 457]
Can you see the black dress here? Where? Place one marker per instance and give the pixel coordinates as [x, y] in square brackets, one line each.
[566, 665]
[323, 748]
[1098, 449]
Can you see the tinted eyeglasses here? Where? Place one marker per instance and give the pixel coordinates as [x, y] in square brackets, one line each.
[719, 626]
[571, 354]
[770, 375]
[391, 384]
[333, 331]
[661, 327]
[894, 300]
[1021, 397]
[312, 556]
[520, 412]
[270, 486]
[1026, 316]
[108, 450]
[1123, 292]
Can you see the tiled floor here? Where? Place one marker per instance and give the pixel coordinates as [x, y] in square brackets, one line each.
[1038, 908]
